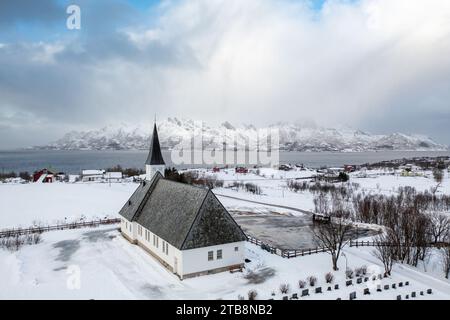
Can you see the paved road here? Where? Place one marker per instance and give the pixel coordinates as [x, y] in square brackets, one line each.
[265, 204]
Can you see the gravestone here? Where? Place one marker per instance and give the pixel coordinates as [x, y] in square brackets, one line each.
[380, 276]
[413, 294]
[338, 299]
[285, 298]
[270, 299]
[273, 293]
[353, 295]
[366, 279]
[379, 288]
[305, 292]
[421, 293]
[294, 296]
[399, 297]
[386, 287]
[366, 291]
[348, 283]
[336, 287]
[400, 284]
[429, 291]
[407, 296]
[407, 283]
[394, 286]
[329, 289]
[319, 290]
[359, 280]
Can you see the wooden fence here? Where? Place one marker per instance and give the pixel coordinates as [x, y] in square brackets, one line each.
[386, 244]
[75, 225]
[302, 252]
[285, 253]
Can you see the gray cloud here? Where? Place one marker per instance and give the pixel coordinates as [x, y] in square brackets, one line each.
[377, 65]
[25, 11]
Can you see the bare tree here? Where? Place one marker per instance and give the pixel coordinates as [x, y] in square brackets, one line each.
[445, 256]
[440, 226]
[385, 253]
[333, 236]
[438, 176]
[322, 203]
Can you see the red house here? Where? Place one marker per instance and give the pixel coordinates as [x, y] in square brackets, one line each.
[45, 176]
[241, 170]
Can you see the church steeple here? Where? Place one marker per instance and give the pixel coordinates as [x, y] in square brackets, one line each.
[155, 161]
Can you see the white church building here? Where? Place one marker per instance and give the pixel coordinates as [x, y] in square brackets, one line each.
[186, 228]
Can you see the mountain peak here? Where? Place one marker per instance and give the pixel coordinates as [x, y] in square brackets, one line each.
[293, 137]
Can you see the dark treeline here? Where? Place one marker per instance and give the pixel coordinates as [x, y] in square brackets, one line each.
[211, 182]
[127, 172]
[25, 175]
[344, 189]
[425, 163]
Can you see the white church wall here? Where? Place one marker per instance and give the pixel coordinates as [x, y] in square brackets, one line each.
[150, 170]
[127, 228]
[196, 260]
[146, 239]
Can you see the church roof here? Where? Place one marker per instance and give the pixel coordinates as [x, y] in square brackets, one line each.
[154, 156]
[186, 216]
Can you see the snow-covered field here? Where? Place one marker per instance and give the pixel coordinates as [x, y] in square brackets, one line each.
[100, 264]
[24, 205]
[27, 204]
[111, 268]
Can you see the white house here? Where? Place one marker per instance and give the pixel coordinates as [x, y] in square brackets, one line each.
[184, 227]
[113, 176]
[92, 175]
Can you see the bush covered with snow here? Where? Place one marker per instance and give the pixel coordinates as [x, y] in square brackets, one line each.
[284, 288]
[312, 280]
[301, 284]
[252, 294]
[329, 277]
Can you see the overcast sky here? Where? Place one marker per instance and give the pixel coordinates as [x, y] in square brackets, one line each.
[378, 65]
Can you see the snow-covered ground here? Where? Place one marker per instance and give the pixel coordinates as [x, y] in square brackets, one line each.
[111, 268]
[108, 267]
[23, 205]
[27, 204]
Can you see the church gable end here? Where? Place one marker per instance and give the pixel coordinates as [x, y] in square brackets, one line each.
[213, 226]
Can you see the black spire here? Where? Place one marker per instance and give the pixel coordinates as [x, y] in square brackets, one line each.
[155, 156]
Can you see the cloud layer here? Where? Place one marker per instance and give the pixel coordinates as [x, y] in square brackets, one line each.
[381, 65]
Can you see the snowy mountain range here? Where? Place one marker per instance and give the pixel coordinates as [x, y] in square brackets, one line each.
[293, 137]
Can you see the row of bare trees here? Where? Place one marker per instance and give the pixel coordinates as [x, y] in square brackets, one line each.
[412, 220]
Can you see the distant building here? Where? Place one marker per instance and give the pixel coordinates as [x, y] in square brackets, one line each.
[184, 227]
[47, 176]
[113, 176]
[241, 170]
[349, 168]
[92, 175]
[285, 167]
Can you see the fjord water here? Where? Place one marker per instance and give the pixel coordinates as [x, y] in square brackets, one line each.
[75, 161]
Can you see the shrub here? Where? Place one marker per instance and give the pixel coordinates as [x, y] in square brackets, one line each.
[358, 272]
[301, 284]
[252, 295]
[349, 273]
[329, 277]
[364, 270]
[312, 280]
[284, 288]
